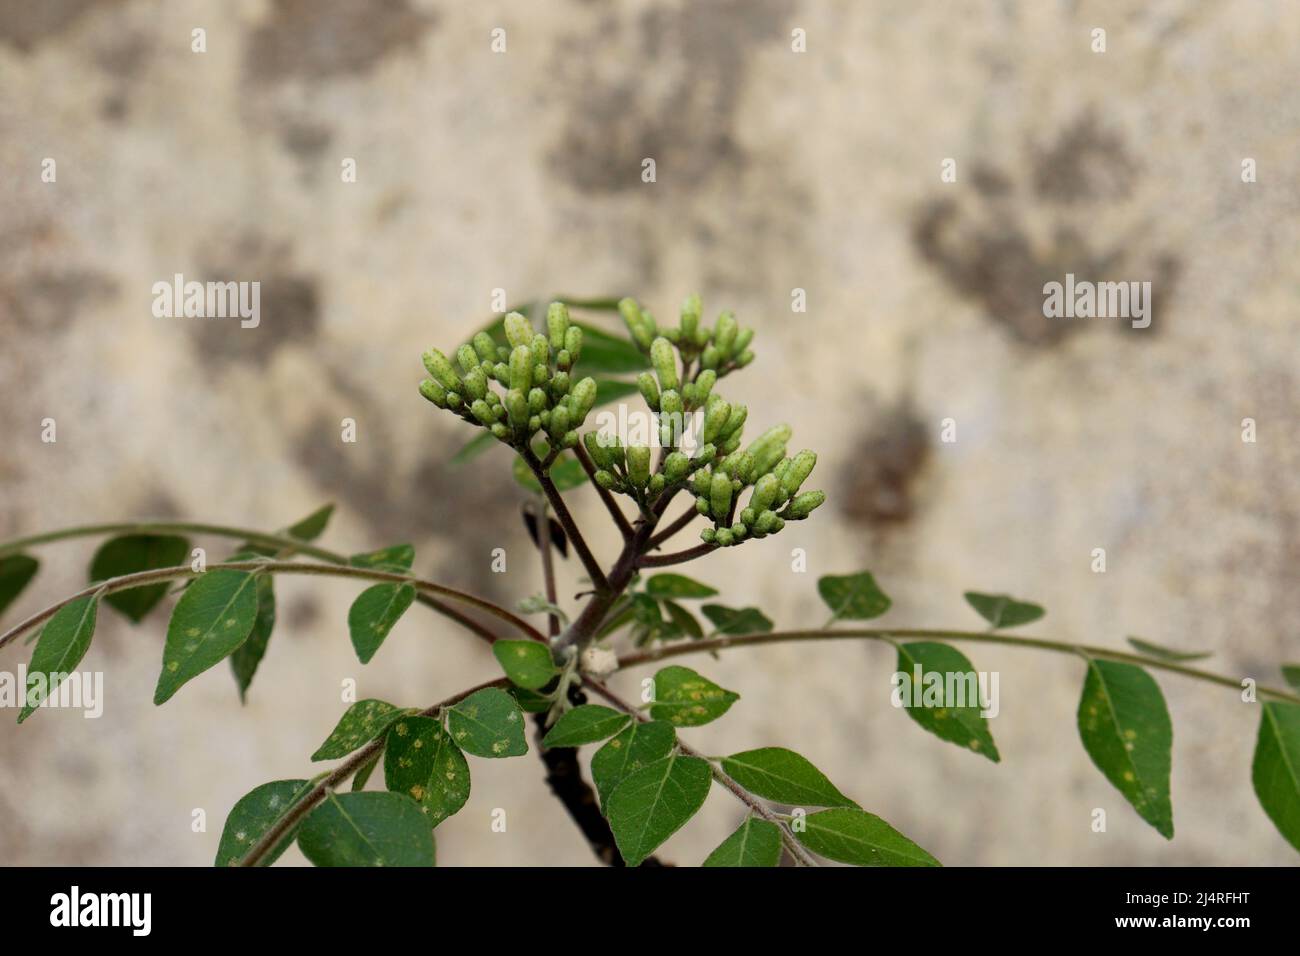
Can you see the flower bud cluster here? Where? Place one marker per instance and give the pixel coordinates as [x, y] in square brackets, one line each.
[535, 373]
[718, 350]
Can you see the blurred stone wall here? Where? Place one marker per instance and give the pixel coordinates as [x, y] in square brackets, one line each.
[776, 170]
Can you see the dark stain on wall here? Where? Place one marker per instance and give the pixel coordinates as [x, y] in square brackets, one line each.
[26, 24]
[877, 486]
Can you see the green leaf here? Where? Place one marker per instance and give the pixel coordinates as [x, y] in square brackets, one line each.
[1275, 771]
[362, 776]
[530, 700]
[396, 559]
[756, 843]
[1000, 610]
[585, 724]
[473, 448]
[63, 643]
[528, 664]
[638, 746]
[612, 390]
[537, 604]
[677, 586]
[1165, 653]
[863, 839]
[609, 354]
[361, 723]
[950, 706]
[684, 620]
[608, 303]
[785, 777]
[373, 615]
[248, 655]
[137, 552]
[566, 474]
[254, 814]
[1125, 728]
[745, 620]
[1291, 674]
[853, 596]
[16, 571]
[421, 761]
[685, 699]
[367, 829]
[488, 723]
[313, 526]
[653, 803]
[213, 617]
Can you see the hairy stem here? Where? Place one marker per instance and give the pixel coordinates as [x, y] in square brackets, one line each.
[548, 568]
[127, 581]
[336, 776]
[740, 793]
[611, 505]
[566, 521]
[977, 637]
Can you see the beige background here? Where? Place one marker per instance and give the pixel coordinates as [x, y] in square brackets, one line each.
[776, 170]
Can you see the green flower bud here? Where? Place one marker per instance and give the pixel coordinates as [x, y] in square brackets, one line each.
[560, 383]
[735, 421]
[537, 402]
[702, 505]
[747, 516]
[701, 483]
[476, 383]
[724, 333]
[467, 358]
[724, 538]
[606, 480]
[570, 439]
[483, 412]
[557, 323]
[805, 504]
[631, 313]
[541, 374]
[711, 357]
[676, 467]
[617, 453]
[563, 360]
[765, 490]
[434, 392]
[544, 418]
[716, 414]
[559, 423]
[766, 523]
[583, 399]
[702, 336]
[503, 353]
[705, 455]
[742, 340]
[534, 423]
[704, 383]
[485, 347]
[720, 496]
[707, 535]
[638, 464]
[670, 402]
[649, 389]
[541, 350]
[691, 309]
[744, 358]
[688, 394]
[519, 331]
[521, 368]
[454, 400]
[664, 359]
[800, 467]
[501, 431]
[657, 483]
[731, 444]
[672, 335]
[517, 409]
[769, 448]
[501, 372]
[598, 452]
[738, 531]
[573, 343]
[440, 369]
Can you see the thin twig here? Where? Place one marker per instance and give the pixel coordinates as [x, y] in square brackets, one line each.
[978, 637]
[677, 557]
[566, 521]
[126, 581]
[355, 762]
[678, 524]
[611, 505]
[548, 568]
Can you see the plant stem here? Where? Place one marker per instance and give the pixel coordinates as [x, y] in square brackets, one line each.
[677, 525]
[677, 557]
[548, 567]
[344, 770]
[127, 581]
[611, 505]
[744, 796]
[566, 521]
[978, 637]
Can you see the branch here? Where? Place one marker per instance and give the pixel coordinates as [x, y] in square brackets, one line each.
[978, 637]
[677, 557]
[566, 520]
[548, 568]
[344, 770]
[678, 524]
[795, 849]
[611, 505]
[126, 581]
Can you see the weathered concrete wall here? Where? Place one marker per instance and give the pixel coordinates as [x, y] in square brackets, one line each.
[776, 170]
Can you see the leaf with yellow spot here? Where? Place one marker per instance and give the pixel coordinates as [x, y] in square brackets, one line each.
[254, 814]
[427, 766]
[528, 664]
[685, 699]
[488, 723]
[585, 724]
[638, 746]
[946, 701]
[373, 615]
[361, 723]
[371, 828]
[213, 617]
[1126, 730]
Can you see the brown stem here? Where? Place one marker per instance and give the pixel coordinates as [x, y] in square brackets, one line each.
[566, 521]
[611, 505]
[678, 524]
[677, 557]
[548, 568]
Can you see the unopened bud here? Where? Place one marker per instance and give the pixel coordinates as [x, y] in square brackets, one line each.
[724, 333]
[638, 464]
[649, 388]
[664, 359]
[541, 350]
[715, 417]
[434, 392]
[437, 365]
[517, 409]
[476, 383]
[583, 399]
[485, 347]
[483, 412]
[606, 480]
[765, 490]
[521, 368]
[720, 496]
[676, 467]
[799, 469]
[557, 323]
[573, 343]
[519, 331]
[691, 309]
[467, 358]
[805, 504]
[704, 383]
